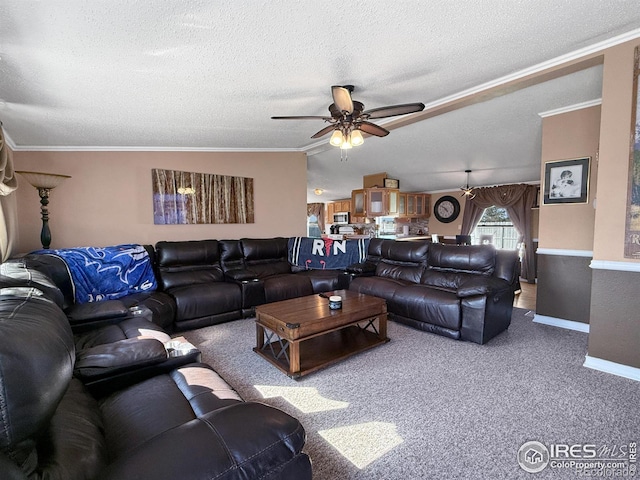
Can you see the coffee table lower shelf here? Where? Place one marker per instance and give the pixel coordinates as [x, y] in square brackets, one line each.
[320, 351]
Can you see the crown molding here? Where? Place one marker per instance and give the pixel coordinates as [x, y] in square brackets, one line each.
[150, 149]
[571, 108]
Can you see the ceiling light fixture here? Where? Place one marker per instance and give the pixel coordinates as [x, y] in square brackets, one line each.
[318, 191]
[349, 119]
[467, 191]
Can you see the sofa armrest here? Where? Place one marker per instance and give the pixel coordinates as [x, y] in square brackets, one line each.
[243, 440]
[113, 358]
[86, 316]
[362, 269]
[241, 275]
[480, 285]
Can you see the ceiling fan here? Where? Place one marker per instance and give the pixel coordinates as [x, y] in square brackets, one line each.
[349, 118]
[467, 191]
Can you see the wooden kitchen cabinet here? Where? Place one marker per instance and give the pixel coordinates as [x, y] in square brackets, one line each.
[374, 202]
[414, 205]
[337, 207]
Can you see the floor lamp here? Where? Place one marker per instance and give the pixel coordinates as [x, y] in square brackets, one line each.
[44, 182]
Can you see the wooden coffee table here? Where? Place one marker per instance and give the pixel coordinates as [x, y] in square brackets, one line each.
[302, 335]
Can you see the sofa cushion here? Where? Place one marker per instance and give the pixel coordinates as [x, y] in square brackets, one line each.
[33, 380]
[284, 287]
[206, 299]
[261, 249]
[129, 328]
[188, 262]
[73, 445]
[410, 252]
[92, 311]
[323, 280]
[377, 286]
[54, 268]
[134, 416]
[479, 259]
[429, 305]
[399, 270]
[444, 280]
[266, 256]
[19, 273]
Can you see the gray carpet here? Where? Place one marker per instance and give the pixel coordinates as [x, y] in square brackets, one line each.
[427, 407]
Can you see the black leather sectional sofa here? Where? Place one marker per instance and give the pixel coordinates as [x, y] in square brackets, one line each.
[89, 390]
[459, 291]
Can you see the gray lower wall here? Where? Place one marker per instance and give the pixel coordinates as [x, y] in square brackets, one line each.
[564, 287]
[614, 331]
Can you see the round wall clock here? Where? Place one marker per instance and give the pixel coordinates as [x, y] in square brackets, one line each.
[446, 209]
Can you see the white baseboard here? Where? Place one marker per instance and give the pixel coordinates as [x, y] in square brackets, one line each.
[614, 368]
[560, 322]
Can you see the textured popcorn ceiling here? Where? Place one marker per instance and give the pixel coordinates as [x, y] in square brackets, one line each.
[209, 74]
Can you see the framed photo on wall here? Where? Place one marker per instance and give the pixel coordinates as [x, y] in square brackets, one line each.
[566, 181]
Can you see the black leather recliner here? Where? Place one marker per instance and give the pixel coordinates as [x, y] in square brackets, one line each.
[191, 273]
[187, 423]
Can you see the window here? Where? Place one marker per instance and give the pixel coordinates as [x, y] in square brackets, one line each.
[495, 227]
[313, 229]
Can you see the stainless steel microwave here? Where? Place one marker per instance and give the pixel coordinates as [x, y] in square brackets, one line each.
[341, 218]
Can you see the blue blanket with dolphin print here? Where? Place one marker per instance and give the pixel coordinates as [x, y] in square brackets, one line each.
[107, 273]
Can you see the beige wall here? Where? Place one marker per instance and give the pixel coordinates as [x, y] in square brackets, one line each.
[455, 227]
[614, 334]
[566, 136]
[108, 200]
[440, 228]
[613, 177]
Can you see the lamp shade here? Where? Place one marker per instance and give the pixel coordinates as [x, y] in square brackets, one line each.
[43, 180]
[336, 138]
[356, 138]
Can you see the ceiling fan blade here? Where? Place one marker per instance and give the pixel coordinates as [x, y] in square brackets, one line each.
[393, 110]
[324, 131]
[303, 117]
[373, 129]
[342, 98]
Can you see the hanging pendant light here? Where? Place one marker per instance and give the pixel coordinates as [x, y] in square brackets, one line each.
[467, 191]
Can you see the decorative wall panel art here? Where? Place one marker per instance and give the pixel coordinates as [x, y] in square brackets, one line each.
[632, 234]
[191, 198]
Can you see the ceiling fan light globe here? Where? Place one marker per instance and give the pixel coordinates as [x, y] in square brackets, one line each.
[346, 144]
[356, 138]
[336, 138]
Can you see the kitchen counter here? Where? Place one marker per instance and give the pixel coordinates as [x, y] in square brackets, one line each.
[410, 238]
[347, 236]
[392, 236]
